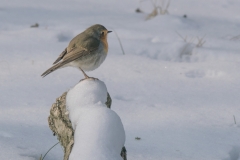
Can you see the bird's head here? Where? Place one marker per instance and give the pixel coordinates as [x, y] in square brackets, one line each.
[98, 31]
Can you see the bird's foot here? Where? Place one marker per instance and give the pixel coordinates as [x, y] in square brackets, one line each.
[89, 78]
[92, 78]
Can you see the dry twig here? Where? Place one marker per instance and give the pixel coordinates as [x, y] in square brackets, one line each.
[160, 8]
[199, 43]
[119, 42]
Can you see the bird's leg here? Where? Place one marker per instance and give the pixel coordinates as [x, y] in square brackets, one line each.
[85, 75]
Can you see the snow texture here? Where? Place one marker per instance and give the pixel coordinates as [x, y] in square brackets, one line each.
[85, 94]
[99, 133]
[178, 98]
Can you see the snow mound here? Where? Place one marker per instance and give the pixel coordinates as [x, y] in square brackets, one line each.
[85, 94]
[99, 133]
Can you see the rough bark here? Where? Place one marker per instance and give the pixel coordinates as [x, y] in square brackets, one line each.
[61, 126]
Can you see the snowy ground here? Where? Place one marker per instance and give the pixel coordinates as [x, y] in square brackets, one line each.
[179, 99]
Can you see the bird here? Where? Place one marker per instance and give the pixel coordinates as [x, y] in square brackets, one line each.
[86, 51]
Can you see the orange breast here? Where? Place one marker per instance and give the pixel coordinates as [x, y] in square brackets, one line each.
[105, 43]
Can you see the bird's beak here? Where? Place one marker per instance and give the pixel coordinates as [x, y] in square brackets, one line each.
[109, 31]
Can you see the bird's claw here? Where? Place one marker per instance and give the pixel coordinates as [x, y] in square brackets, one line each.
[89, 78]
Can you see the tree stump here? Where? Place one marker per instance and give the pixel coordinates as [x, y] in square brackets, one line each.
[61, 126]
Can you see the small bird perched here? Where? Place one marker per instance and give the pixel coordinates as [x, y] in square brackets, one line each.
[86, 51]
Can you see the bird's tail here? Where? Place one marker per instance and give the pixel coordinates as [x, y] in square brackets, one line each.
[53, 68]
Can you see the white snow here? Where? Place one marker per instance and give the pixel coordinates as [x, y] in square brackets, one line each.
[99, 133]
[178, 98]
[85, 94]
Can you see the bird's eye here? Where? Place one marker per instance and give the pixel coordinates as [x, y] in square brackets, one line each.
[102, 33]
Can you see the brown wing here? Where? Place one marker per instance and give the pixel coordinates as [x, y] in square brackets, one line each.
[61, 56]
[76, 54]
[66, 60]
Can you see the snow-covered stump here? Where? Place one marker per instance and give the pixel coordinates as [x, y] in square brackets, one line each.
[99, 132]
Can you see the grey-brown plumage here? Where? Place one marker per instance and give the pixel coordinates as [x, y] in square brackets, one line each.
[86, 51]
